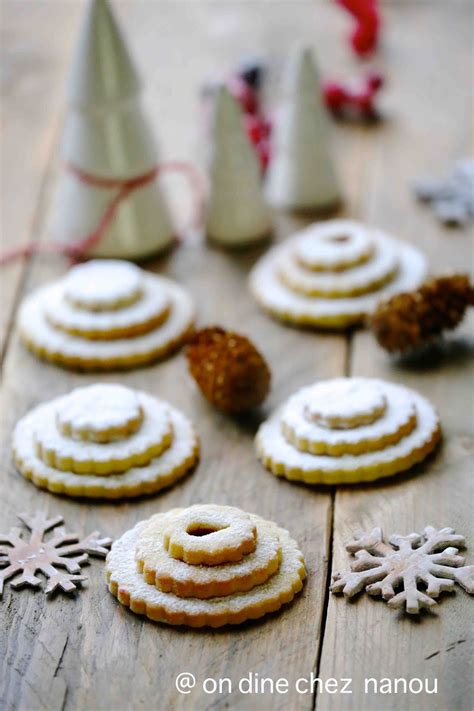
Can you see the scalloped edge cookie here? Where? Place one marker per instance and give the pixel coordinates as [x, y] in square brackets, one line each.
[398, 420]
[338, 313]
[145, 314]
[314, 249]
[283, 459]
[136, 450]
[235, 535]
[361, 279]
[171, 465]
[130, 588]
[201, 581]
[73, 352]
[120, 284]
[89, 414]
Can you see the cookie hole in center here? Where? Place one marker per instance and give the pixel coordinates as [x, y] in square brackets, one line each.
[202, 530]
[339, 239]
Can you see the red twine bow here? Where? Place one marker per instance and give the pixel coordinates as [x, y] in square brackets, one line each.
[124, 189]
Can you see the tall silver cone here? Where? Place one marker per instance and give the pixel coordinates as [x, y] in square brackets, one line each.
[107, 135]
[237, 213]
[301, 174]
[102, 70]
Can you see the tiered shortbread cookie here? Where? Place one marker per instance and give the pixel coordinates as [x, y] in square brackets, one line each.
[205, 565]
[348, 430]
[333, 274]
[104, 441]
[106, 314]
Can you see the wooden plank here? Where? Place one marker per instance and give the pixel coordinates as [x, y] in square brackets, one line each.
[113, 643]
[431, 128]
[129, 663]
[33, 66]
[126, 662]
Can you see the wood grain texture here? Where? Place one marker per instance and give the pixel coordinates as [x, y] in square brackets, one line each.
[90, 652]
[33, 69]
[421, 137]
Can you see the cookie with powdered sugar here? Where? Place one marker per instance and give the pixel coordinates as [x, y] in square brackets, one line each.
[82, 445]
[348, 430]
[236, 571]
[145, 577]
[104, 315]
[333, 274]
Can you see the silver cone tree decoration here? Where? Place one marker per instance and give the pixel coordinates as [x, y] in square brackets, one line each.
[107, 141]
[237, 213]
[301, 175]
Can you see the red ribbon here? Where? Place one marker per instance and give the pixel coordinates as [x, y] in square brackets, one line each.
[124, 189]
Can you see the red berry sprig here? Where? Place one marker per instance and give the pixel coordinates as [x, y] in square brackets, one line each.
[356, 101]
[244, 86]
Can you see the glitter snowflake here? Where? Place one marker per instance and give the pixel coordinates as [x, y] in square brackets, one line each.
[39, 555]
[428, 559]
[453, 196]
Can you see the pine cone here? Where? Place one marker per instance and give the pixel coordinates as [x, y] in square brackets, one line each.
[413, 318]
[229, 370]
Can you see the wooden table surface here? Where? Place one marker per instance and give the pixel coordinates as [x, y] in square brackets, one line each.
[89, 652]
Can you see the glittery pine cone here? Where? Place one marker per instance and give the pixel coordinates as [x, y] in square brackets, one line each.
[412, 319]
[228, 369]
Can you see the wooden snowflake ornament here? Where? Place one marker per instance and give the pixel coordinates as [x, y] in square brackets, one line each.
[39, 555]
[429, 558]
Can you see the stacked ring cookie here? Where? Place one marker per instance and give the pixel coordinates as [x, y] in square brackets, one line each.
[106, 314]
[348, 430]
[104, 441]
[205, 565]
[333, 274]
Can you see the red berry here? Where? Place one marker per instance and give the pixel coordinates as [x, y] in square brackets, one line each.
[363, 40]
[244, 94]
[365, 36]
[374, 81]
[335, 95]
[358, 8]
[254, 127]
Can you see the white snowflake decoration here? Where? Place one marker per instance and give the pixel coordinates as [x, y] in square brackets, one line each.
[406, 561]
[453, 196]
[39, 555]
